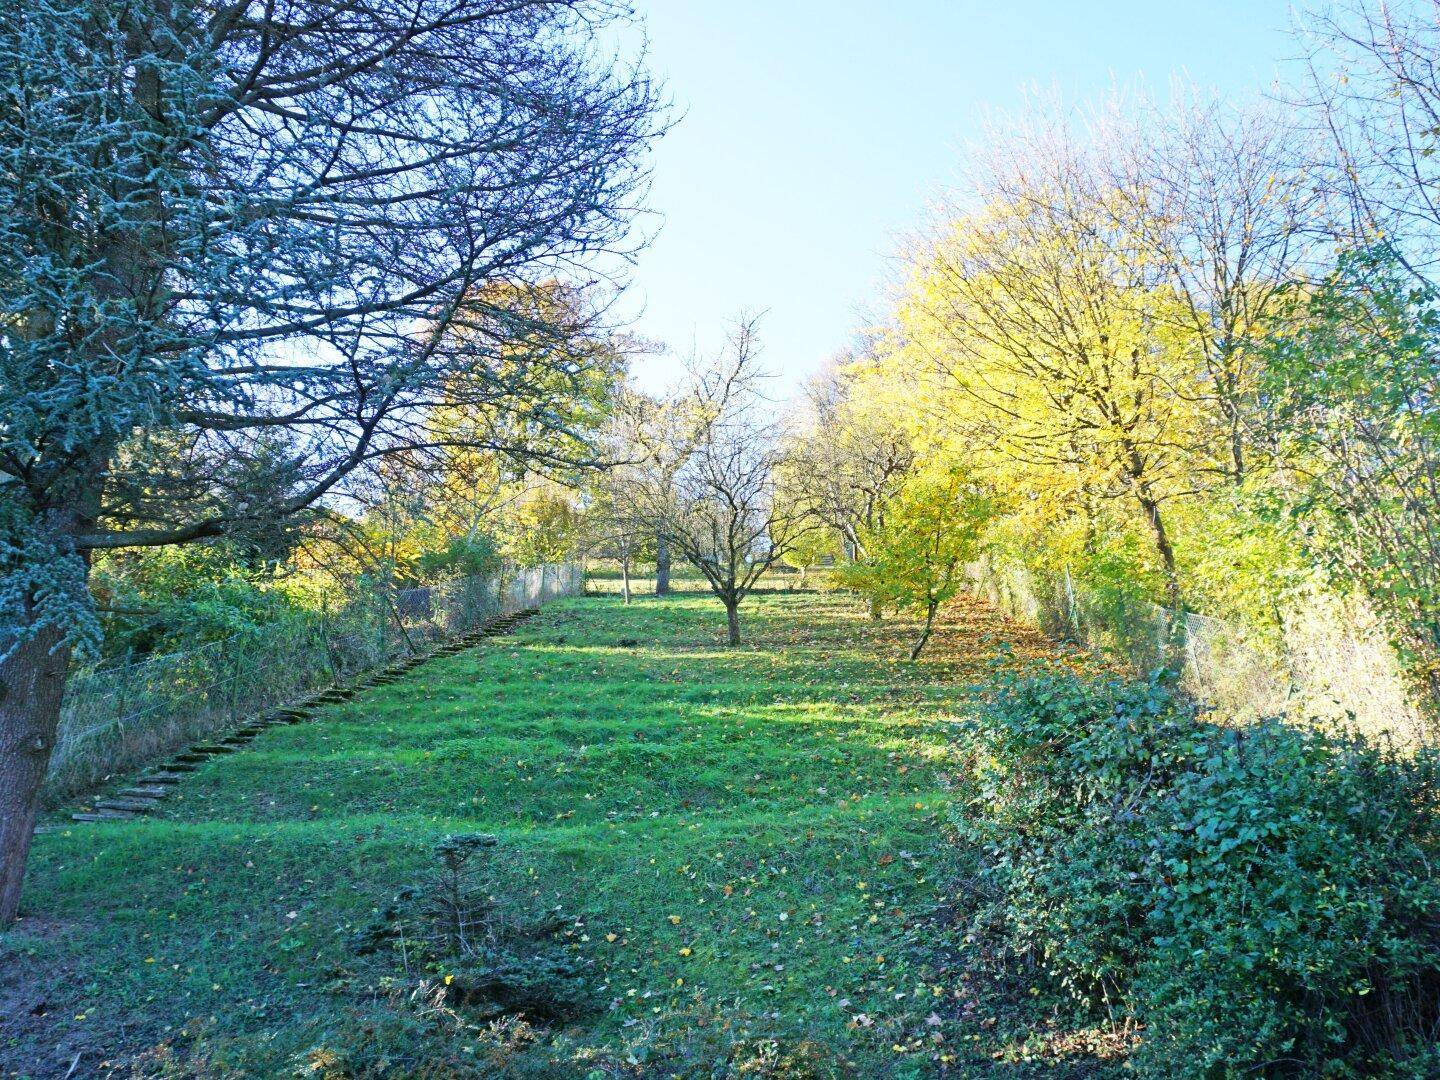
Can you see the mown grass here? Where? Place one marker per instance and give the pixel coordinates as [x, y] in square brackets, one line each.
[748, 848]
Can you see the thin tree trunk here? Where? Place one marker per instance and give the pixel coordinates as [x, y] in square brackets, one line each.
[930, 610]
[875, 609]
[32, 683]
[662, 566]
[1166, 552]
[1174, 598]
[732, 621]
[389, 591]
[1230, 408]
[625, 572]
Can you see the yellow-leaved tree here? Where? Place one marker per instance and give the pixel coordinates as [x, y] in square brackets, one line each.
[915, 553]
[1041, 338]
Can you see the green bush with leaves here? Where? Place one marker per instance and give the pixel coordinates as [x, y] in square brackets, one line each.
[1351, 377]
[476, 555]
[157, 600]
[1261, 899]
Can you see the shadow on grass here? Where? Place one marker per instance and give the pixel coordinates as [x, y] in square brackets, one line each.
[754, 836]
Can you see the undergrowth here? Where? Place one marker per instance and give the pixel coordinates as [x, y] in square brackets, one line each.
[1255, 900]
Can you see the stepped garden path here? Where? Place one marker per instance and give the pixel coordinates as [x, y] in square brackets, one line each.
[730, 857]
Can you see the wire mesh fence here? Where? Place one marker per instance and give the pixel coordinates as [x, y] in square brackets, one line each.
[1328, 660]
[120, 714]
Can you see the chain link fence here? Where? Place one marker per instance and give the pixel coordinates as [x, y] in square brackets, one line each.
[1329, 661]
[118, 715]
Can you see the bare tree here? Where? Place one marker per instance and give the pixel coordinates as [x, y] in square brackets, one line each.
[1374, 93]
[845, 459]
[233, 218]
[710, 487]
[615, 527]
[648, 440]
[1222, 200]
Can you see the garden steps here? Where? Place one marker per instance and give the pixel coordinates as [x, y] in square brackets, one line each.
[144, 796]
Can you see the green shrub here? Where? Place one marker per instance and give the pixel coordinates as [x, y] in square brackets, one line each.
[1261, 899]
[170, 599]
[475, 555]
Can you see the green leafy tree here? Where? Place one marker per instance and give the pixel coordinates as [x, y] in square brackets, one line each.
[811, 550]
[543, 525]
[1353, 381]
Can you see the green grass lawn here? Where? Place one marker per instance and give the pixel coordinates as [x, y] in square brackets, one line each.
[746, 850]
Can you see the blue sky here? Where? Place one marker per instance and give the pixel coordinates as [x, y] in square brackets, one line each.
[813, 134]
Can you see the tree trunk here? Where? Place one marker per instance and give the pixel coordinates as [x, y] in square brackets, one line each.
[32, 682]
[625, 573]
[875, 609]
[1174, 598]
[1165, 551]
[1237, 450]
[662, 567]
[930, 610]
[732, 621]
[1228, 380]
[803, 571]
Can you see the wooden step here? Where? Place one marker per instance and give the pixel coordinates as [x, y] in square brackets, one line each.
[105, 815]
[134, 806]
[160, 778]
[147, 791]
[212, 748]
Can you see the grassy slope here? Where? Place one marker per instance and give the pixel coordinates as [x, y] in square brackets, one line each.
[777, 812]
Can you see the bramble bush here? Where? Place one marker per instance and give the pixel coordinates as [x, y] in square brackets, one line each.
[1260, 899]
